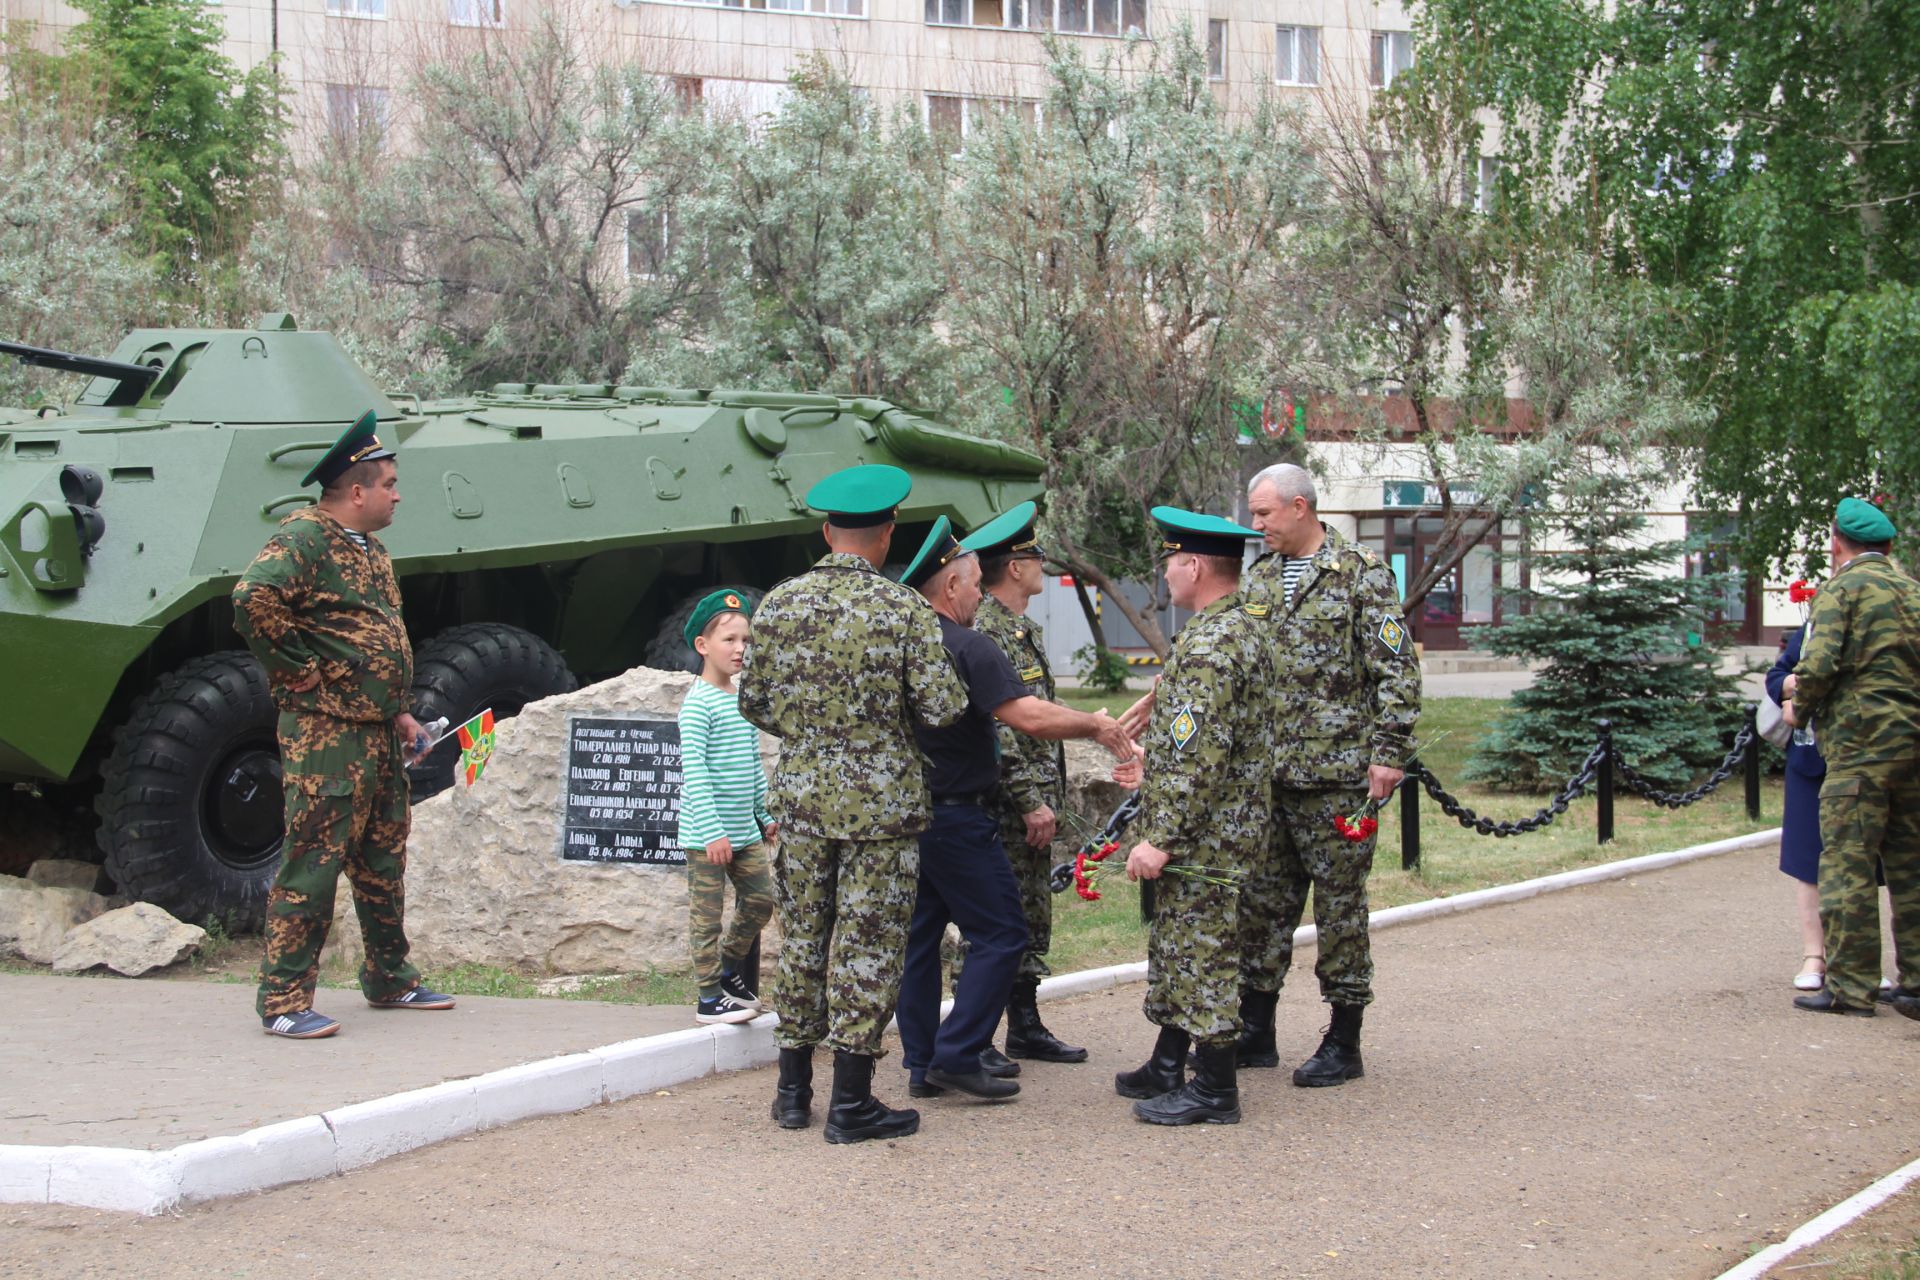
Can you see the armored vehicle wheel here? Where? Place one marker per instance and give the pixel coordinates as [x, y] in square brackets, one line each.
[191, 813]
[668, 650]
[466, 669]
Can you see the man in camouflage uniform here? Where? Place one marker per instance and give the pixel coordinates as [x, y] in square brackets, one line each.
[1344, 699]
[320, 608]
[1032, 772]
[1209, 753]
[841, 665]
[1858, 685]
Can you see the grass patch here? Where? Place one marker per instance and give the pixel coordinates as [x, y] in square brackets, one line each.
[1453, 859]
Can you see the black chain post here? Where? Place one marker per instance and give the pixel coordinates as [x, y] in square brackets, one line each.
[1603, 792]
[1410, 822]
[1752, 763]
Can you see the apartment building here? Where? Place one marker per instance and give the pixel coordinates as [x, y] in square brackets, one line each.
[954, 60]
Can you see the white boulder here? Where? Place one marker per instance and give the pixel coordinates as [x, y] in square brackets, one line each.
[34, 918]
[130, 940]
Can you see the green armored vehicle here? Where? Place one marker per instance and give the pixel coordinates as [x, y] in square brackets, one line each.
[548, 535]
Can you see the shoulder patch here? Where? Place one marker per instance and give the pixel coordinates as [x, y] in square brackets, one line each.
[1255, 610]
[1392, 635]
[1031, 675]
[1184, 726]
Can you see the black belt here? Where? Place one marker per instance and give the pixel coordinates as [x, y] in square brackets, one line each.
[978, 798]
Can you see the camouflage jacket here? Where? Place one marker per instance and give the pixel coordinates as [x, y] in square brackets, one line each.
[840, 666]
[314, 601]
[1209, 745]
[1030, 769]
[1346, 689]
[1859, 672]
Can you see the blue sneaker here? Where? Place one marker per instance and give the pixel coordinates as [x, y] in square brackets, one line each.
[415, 998]
[304, 1025]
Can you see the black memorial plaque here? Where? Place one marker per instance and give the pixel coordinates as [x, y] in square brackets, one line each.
[622, 794]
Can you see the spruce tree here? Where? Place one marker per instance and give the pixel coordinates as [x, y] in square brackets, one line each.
[1623, 637]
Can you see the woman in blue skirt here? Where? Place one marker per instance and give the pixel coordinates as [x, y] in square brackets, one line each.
[1800, 826]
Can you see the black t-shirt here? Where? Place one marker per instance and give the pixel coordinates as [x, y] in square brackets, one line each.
[964, 757]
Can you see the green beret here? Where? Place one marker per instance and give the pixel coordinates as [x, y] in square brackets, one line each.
[1860, 521]
[725, 600]
[939, 550]
[1009, 533]
[356, 444]
[861, 496]
[1203, 535]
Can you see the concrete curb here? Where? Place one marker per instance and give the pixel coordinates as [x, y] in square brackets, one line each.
[352, 1137]
[1843, 1214]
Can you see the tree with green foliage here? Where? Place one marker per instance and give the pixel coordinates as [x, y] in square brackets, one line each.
[1124, 268]
[1756, 161]
[200, 142]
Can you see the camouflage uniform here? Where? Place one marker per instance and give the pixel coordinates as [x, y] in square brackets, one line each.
[752, 875]
[1859, 680]
[1031, 774]
[314, 602]
[1345, 695]
[1204, 801]
[840, 666]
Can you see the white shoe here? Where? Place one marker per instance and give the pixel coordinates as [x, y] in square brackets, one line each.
[1804, 981]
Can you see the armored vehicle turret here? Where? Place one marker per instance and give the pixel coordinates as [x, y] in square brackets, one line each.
[549, 534]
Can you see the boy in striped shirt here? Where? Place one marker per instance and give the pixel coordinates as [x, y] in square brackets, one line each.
[724, 824]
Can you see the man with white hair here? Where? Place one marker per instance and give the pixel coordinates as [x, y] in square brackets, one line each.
[1346, 694]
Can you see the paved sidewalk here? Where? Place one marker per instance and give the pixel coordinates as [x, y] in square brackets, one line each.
[1606, 1082]
[117, 1062]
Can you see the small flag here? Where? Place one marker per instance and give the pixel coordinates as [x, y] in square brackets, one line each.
[476, 745]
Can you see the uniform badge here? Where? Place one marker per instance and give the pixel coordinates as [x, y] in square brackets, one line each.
[1032, 675]
[1392, 634]
[1255, 610]
[1184, 727]
[732, 601]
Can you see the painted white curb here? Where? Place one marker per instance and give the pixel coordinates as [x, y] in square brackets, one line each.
[355, 1136]
[1842, 1214]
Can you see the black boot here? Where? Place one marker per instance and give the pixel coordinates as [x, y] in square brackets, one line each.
[793, 1096]
[855, 1114]
[1338, 1058]
[996, 1063]
[1211, 1097]
[1027, 1036]
[1164, 1072]
[1255, 1047]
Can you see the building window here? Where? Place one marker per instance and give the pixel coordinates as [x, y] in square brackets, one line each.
[1296, 55]
[1483, 184]
[818, 8]
[1072, 17]
[357, 114]
[954, 118]
[1216, 49]
[477, 13]
[1392, 54]
[649, 240]
[357, 8]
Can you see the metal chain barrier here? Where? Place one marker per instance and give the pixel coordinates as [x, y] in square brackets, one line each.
[1574, 788]
[1639, 785]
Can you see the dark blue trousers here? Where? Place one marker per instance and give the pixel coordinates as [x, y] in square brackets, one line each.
[965, 878]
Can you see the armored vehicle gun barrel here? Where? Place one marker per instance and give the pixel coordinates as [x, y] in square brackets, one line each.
[134, 378]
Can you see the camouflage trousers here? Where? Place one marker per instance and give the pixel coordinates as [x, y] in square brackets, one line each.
[1868, 812]
[1193, 955]
[355, 821]
[1305, 852]
[844, 907]
[752, 877]
[1031, 869]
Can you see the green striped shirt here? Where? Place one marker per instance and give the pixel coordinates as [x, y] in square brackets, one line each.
[723, 789]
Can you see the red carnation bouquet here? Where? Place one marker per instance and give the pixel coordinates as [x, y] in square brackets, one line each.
[1800, 591]
[1088, 865]
[1362, 825]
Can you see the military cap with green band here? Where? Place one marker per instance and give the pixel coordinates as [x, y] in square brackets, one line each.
[1860, 521]
[861, 497]
[356, 444]
[1202, 535]
[712, 606]
[939, 550]
[1008, 534]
